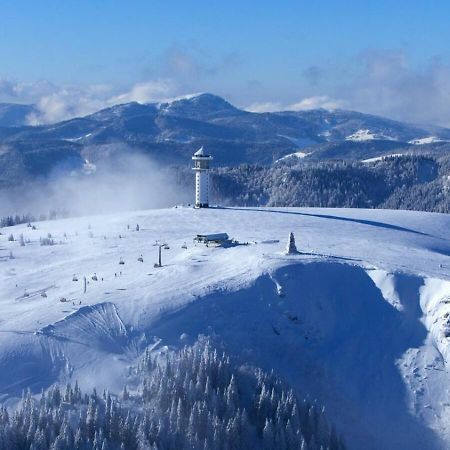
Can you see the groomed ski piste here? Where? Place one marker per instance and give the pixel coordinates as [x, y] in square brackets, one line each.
[359, 319]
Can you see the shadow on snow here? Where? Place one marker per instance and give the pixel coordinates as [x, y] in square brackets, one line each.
[332, 335]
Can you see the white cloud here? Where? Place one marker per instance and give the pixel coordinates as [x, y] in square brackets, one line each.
[55, 103]
[67, 102]
[21, 92]
[378, 82]
[388, 84]
[319, 101]
[383, 82]
[146, 92]
[264, 107]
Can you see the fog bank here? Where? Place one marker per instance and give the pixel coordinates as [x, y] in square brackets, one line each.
[126, 182]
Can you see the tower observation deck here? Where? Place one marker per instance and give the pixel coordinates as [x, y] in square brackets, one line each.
[201, 167]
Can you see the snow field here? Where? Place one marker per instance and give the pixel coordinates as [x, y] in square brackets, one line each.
[358, 320]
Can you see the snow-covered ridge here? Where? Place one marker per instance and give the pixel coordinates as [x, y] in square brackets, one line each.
[170, 100]
[366, 299]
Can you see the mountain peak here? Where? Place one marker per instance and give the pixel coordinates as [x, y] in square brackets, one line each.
[200, 106]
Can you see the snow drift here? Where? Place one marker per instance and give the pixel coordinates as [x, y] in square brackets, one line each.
[98, 326]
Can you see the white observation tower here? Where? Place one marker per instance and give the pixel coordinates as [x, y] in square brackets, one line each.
[201, 167]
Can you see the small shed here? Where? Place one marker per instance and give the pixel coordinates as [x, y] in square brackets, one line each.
[214, 239]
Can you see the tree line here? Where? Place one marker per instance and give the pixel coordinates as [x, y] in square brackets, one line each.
[417, 182]
[194, 398]
[17, 219]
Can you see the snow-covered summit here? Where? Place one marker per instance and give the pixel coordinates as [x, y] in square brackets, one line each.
[178, 98]
[204, 106]
[358, 319]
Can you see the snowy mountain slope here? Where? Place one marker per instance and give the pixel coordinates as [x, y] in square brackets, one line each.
[171, 131]
[358, 320]
[367, 135]
[426, 140]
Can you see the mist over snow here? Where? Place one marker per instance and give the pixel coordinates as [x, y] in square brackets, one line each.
[124, 182]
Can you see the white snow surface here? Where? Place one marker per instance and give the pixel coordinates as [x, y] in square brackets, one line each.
[299, 155]
[367, 135]
[358, 319]
[426, 140]
[78, 138]
[170, 100]
[382, 157]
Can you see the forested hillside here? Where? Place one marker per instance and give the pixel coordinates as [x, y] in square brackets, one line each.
[407, 182]
[190, 399]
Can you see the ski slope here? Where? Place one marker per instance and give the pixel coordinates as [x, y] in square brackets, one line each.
[358, 320]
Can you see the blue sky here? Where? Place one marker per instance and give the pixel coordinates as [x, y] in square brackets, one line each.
[261, 55]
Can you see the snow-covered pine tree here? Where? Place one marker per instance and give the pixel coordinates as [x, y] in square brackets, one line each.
[125, 395]
[195, 399]
[268, 436]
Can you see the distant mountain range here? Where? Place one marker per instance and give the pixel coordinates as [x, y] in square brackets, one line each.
[172, 131]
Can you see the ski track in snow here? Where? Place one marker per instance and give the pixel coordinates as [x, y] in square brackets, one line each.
[359, 319]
